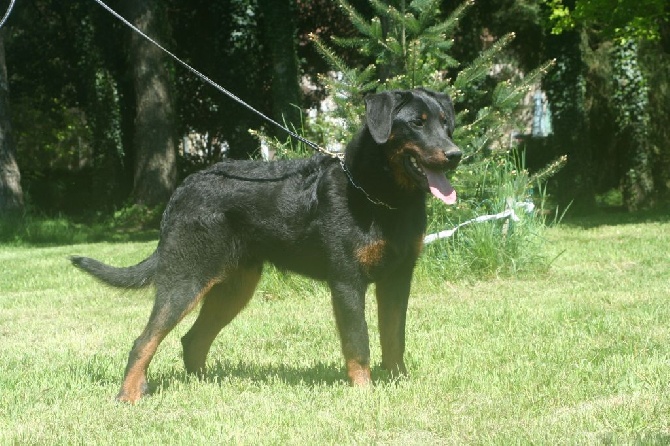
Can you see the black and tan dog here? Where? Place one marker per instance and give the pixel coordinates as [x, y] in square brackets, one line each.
[349, 225]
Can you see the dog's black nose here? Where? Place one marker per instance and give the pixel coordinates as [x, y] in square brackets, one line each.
[454, 156]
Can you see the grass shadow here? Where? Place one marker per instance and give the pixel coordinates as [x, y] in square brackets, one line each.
[616, 217]
[317, 375]
[42, 232]
[313, 375]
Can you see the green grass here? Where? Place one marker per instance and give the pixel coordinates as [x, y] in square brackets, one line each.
[577, 355]
[134, 223]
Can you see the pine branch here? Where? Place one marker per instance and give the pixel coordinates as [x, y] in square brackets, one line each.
[400, 18]
[549, 170]
[327, 53]
[481, 66]
[449, 25]
[356, 19]
[423, 7]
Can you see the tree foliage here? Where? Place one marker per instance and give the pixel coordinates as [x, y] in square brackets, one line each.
[73, 103]
[224, 41]
[625, 19]
[612, 39]
[412, 50]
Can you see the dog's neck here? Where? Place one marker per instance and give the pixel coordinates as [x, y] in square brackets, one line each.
[369, 168]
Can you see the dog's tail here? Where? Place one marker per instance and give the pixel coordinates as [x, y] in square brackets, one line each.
[137, 276]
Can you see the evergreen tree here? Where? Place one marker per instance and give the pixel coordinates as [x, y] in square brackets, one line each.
[408, 45]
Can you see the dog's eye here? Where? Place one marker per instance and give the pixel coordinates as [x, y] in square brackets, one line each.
[418, 122]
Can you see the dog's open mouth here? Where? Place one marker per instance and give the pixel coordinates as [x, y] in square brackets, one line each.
[431, 179]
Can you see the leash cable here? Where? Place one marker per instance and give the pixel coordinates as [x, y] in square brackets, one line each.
[338, 155]
[7, 13]
[228, 93]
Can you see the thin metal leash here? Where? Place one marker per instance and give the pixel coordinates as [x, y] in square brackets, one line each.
[228, 93]
[7, 13]
[338, 155]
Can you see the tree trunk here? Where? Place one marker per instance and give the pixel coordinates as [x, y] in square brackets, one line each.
[279, 30]
[154, 135]
[638, 182]
[11, 194]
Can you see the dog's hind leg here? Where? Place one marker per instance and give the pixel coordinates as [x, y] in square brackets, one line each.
[222, 303]
[172, 303]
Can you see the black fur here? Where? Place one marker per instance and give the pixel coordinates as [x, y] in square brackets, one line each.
[137, 276]
[223, 223]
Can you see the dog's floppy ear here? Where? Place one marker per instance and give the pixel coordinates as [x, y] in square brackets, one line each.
[379, 112]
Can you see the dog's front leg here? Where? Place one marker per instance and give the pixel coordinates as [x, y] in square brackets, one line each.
[392, 298]
[349, 308]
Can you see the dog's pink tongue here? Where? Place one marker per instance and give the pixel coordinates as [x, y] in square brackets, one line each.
[439, 186]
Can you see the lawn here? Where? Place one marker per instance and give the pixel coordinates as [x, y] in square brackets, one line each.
[579, 355]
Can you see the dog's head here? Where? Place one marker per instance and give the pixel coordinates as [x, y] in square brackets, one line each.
[415, 129]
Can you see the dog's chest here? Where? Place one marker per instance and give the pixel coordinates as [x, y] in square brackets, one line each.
[382, 257]
[384, 249]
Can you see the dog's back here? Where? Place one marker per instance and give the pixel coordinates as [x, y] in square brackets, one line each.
[258, 211]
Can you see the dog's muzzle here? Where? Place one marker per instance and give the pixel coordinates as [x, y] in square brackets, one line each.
[432, 176]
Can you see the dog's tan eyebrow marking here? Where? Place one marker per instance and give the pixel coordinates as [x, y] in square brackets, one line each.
[424, 116]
